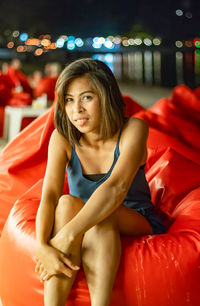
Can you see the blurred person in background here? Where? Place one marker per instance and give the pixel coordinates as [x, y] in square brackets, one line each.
[47, 84]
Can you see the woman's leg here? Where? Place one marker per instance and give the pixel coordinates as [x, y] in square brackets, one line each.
[101, 252]
[57, 288]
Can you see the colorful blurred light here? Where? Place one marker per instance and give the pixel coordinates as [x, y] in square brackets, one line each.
[131, 41]
[20, 49]
[23, 36]
[147, 42]
[138, 41]
[15, 34]
[188, 43]
[179, 13]
[117, 40]
[10, 45]
[188, 15]
[196, 42]
[71, 45]
[108, 44]
[38, 52]
[179, 44]
[32, 42]
[60, 43]
[45, 42]
[156, 41]
[79, 42]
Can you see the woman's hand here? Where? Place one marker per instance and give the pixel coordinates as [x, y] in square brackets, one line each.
[53, 262]
[66, 242]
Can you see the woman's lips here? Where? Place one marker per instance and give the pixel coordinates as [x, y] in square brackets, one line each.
[81, 121]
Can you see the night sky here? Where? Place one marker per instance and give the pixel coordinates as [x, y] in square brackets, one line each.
[87, 18]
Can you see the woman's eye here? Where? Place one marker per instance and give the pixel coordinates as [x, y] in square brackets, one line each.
[87, 97]
[68, 100]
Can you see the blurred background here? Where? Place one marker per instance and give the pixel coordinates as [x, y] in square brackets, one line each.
[151, 46]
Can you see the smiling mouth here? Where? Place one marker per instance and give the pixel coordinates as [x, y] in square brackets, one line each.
[81, 121]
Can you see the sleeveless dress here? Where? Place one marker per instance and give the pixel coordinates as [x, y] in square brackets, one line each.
[138, 196]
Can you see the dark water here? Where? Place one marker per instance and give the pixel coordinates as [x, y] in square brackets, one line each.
[161, 67]
[164, 68]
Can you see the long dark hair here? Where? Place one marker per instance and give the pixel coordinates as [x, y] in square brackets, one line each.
[104, 84]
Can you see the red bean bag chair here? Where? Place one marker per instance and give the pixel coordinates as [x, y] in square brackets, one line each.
[18, 78]
[154, 269]
[45, 86]
[11, 98]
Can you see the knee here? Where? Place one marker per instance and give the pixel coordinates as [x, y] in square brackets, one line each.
[107, 228]
[68, 205]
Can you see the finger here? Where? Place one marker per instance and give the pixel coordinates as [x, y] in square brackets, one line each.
[43, 276]
[63, 269]
[37, 267]
[69, 263]
[41, 268]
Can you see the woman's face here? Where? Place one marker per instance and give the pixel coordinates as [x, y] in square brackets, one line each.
[82, 105]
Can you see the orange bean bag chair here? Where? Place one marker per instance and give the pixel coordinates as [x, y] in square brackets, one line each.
[154, 269]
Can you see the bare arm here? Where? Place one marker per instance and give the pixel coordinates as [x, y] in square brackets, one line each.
[52, 187]
[50, 259]
[109, 196]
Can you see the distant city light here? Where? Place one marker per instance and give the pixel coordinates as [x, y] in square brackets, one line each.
[108, 44]
[71, 45]
[131, 41]
[102, 40]
[38, 52]
[64, 37]
[125, 43]
[10, 45]
[156, 41]
[188, 43]
[188, 15]
[60, 43]
[79, 42]
[32, 42]
[179, 12]
[45, 42]
[23, 36]
[117, 40]
[15, 34]
[96, 45]
[20, 49]
[138, 41]
[71, 38]
[147, 42]
[7, 32]
[89, 41]
[197, 43]
[179, 44]
[111, 38]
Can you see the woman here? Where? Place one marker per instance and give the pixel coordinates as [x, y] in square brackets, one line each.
[105, 155]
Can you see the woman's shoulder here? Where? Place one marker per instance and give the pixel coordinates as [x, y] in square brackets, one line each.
[59, 142]
[136, 126]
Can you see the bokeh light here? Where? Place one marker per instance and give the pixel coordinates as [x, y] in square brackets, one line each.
[179, 12]
[23, 36]
[179, 44]
[60, 43]
[38, 52]
[10, 45]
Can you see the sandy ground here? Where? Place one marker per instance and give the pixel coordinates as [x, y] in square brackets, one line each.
[145, 95]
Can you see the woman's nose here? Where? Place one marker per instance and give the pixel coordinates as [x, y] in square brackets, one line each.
[78, 106]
